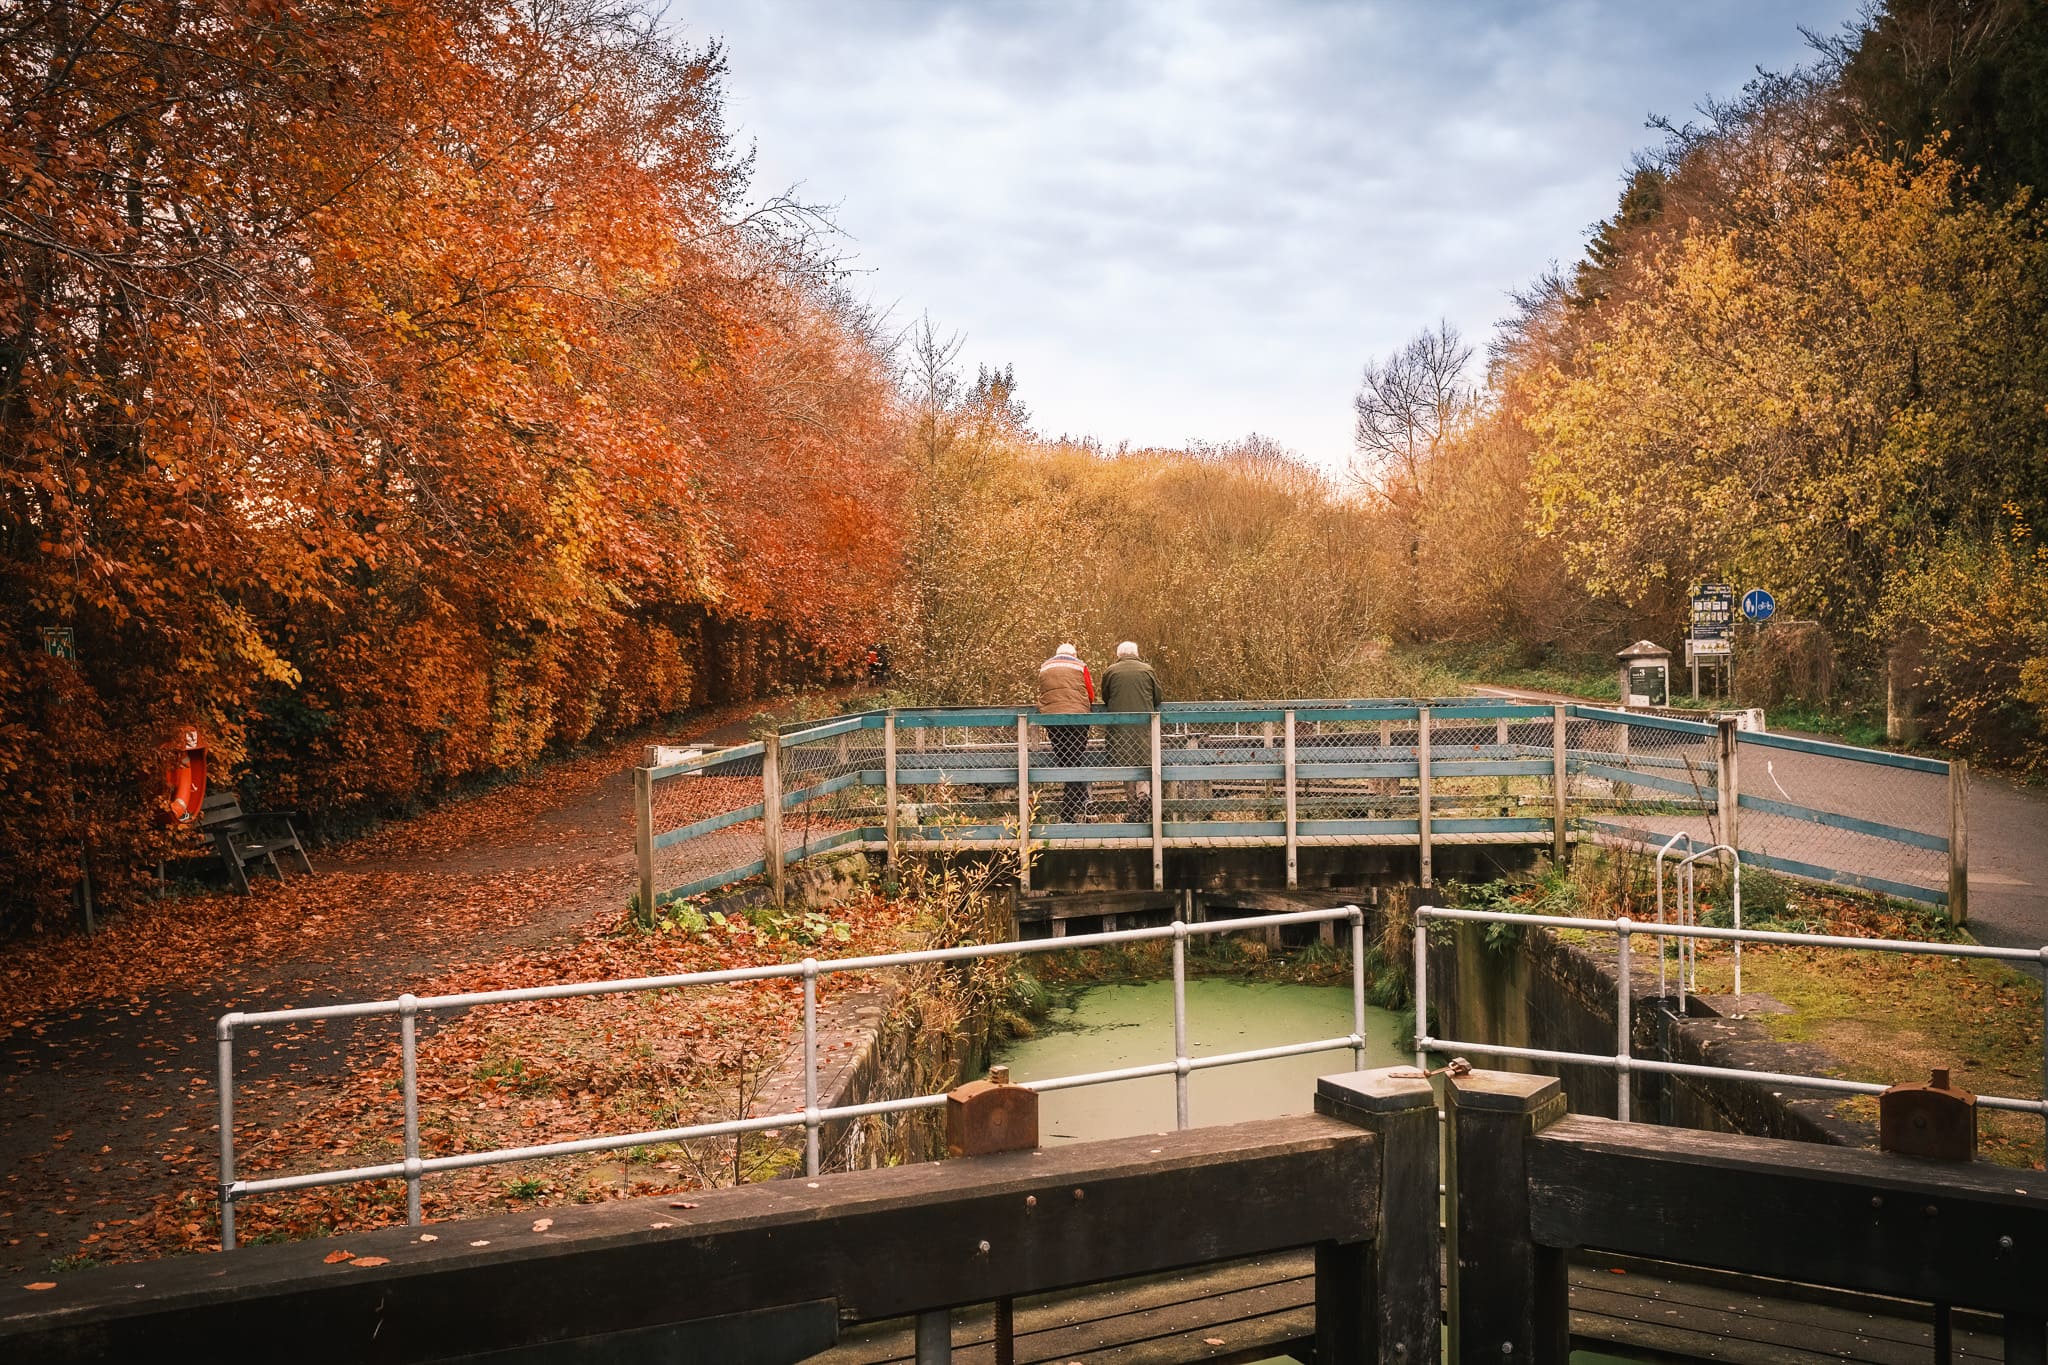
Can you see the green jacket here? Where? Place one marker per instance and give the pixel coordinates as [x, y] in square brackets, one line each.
[1130, 685]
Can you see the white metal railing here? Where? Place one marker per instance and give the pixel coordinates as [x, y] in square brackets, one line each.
[1623, 1062]
[414, 1167]
[1686, 911]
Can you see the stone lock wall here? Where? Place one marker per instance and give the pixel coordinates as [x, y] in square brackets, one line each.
[1530, 988]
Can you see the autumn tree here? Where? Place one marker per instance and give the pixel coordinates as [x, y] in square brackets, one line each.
[1804, 351]
[397, 394]
[1972, 71]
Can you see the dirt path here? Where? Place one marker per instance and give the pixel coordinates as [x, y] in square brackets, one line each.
[107, 1056]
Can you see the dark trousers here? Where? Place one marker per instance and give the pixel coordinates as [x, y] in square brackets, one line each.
[1069, 745]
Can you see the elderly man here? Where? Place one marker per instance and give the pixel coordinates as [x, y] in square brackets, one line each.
[1066, 688]
[1130, 685]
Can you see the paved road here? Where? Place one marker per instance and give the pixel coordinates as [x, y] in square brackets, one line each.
[2008, 830]
[2008, 835]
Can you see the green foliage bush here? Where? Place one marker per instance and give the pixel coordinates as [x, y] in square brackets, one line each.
[1981, 605]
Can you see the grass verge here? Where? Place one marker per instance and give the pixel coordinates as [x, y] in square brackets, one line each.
[1888, 1017]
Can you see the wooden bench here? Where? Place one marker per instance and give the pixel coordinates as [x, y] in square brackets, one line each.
[242, 838]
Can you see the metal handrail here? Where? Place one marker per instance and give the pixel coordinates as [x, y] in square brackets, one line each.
[1623, 1062]
[1689, 912]
[414, 1168]
[1423, 818]
[1660, 918]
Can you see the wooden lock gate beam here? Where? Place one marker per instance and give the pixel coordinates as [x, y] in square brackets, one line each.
[1964, 1234]
[1530, 1185]
[875, 1244]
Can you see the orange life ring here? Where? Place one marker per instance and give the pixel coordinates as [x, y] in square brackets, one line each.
[185, 775]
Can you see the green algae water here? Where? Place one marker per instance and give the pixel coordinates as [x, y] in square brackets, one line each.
[1130, 1025]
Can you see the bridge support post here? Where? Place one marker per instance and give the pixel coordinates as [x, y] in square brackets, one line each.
[1558, 779]
[1958, 842]
[1158, 813]
[1379, 1303]
[771, 811]
[1728, 783]
[889, 782]
[1422, 790]
[643, 835]
[1287, 760]
[1500, 739]
[1023, 802]
[1508, 1299]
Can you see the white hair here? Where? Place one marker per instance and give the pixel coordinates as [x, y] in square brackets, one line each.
[1067, 651]
[1127, 650]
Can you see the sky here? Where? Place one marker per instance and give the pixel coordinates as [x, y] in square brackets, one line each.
[1190, 221]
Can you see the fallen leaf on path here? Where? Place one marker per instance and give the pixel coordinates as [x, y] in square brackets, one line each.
[373, 1260]
[337, 1257]
[44, 1284]
[543, 1224]
[681, 1204]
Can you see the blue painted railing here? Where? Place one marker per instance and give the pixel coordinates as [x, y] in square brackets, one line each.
[1410, 772]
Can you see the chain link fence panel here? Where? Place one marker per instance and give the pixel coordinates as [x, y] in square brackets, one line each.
[825, 803]
[1836, 816]
[1824, 812]
[699, 844]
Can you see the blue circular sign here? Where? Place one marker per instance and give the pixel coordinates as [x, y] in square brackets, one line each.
[1758, 605]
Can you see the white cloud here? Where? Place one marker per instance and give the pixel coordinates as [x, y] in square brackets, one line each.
[1196, 220]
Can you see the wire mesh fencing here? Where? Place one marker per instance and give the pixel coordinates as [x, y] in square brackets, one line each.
[1831, 813]
[1224, 776]
[824, 798]
[1356, 777]
[956, 779]
[1645, 777]
[707, 822]
[1823, 812]
[1257, 774]
[1491, 770]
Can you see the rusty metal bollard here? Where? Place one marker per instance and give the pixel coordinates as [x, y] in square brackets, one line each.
[986, 1117]
[1935, 1120]
[982, 1119]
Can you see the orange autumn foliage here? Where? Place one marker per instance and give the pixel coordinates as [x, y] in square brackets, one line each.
[396, 391]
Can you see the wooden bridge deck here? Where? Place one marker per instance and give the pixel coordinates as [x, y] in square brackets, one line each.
[1257, 1309]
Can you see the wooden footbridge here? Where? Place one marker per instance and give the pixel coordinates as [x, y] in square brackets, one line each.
[1309, 794]
[1318, 1236]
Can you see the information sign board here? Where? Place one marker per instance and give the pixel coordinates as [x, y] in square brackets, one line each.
[1713, 612]
[1649, 682]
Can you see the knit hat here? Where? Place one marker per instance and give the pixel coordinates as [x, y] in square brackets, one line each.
[1067, 652]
